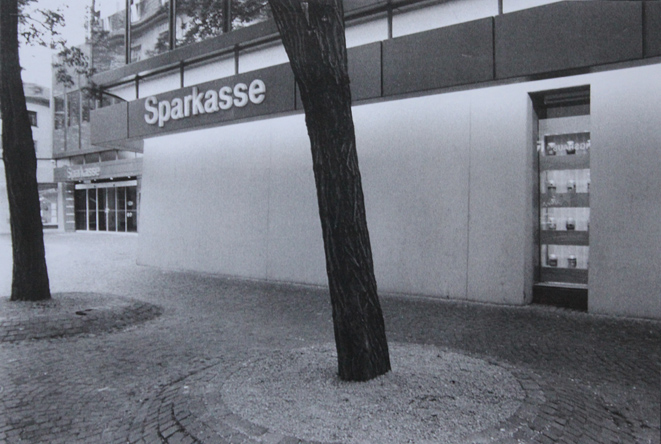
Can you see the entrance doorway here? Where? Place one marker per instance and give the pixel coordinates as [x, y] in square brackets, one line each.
[562, 195]
[107, 206]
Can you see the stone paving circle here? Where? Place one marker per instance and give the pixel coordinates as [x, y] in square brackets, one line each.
[70, 314]
[431, 395]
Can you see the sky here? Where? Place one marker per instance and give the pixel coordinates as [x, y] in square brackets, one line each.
[36, 61]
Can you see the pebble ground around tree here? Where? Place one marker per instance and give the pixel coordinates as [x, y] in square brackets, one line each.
[124, 352]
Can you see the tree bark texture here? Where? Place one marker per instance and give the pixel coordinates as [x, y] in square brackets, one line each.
[29, 276]
[313, 36]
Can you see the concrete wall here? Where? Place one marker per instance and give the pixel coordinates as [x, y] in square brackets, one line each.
[500, 210]
[625, 221]
[248, 206]
[448, 182]
[237, 200]
[416, 191]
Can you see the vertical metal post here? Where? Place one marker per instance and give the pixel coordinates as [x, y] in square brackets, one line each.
[172, 17]
[80, 114]
[65, 121]
[389, 19]
[127, 31]
[227, 16]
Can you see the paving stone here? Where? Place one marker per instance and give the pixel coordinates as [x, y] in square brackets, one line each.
[140, 365]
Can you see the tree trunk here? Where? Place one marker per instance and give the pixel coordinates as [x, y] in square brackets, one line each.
[30, 276]
[313, 36]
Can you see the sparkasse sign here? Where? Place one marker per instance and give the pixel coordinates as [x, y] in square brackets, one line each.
[79, 173]
[256, 93]
[209, 101]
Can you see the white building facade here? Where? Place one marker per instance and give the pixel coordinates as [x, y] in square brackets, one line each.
[38, 103]
[509, 152]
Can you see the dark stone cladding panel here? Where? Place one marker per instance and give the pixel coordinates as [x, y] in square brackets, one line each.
[109, 123]
[567, 35]
[652, 27]
[365, 71]
[455, 55]
[353, 5]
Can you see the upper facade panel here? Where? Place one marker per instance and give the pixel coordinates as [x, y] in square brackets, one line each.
[140, 37]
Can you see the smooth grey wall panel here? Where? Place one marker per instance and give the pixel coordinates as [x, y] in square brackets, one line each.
[567, 35]
[454, 55]
[652, 29]
[625, 201]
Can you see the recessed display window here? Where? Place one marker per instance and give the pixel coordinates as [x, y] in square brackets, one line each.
[562, 197]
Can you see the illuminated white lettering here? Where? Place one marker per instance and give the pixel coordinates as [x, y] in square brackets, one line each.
[198, 106]
[203, 102]
[211, 101]
[163, 112]
[240, 96]
[225, 97]
[257, 91]
[188, 100]
[177, 109]
[81, 173]
[150, 107]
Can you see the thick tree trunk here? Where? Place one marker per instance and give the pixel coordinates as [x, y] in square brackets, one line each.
[30, 276]
[313, 35]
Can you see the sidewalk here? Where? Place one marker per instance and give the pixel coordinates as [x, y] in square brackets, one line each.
[155, 346]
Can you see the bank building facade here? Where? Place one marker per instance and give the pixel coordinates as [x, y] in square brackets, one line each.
[509, 149]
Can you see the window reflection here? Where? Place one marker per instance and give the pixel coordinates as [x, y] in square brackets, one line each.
[150, 33]
[198, 20]
[149, 22]
[107, 40]
[74, 108]
[249, 12]
[59, 112]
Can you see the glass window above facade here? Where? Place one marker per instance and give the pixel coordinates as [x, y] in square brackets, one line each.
[157, 26]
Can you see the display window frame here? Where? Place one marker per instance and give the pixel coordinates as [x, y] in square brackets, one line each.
[561, 196]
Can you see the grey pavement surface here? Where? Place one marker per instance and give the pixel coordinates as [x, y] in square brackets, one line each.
[128, 353]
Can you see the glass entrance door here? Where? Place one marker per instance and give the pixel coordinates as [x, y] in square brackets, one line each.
[106, 207]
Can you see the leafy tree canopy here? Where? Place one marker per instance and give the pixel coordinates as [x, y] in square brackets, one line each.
[43, 27]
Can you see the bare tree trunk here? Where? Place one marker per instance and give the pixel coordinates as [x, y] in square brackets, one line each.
[313, 35]
[30, 276]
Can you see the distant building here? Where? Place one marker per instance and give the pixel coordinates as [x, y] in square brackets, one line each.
[99, 185]
[37, 98]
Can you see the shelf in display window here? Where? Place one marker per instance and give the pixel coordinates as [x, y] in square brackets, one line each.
[567, 275]
[578, 161]
[559, 200]
[562, 237]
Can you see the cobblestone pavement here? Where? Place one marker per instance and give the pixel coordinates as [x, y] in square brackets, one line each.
[146, 367]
